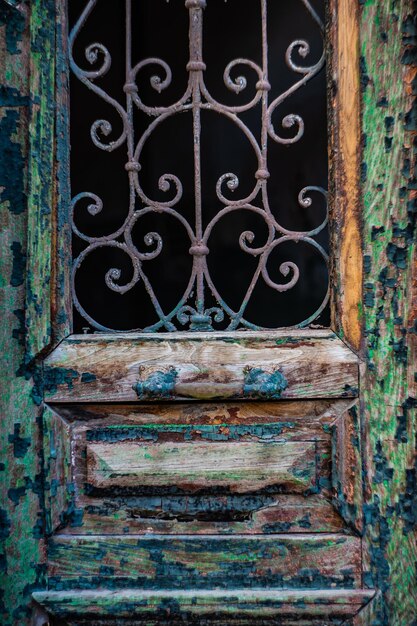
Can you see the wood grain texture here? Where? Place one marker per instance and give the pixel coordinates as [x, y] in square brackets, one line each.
[203, 515]
[182, 562]
[298, 420]
[21, 518]
[347, 467]
[61, 303]
[388, 189]
[234, 605]
[240, 467]
[41, 185]
[345, 159]
[216, 510]
[106, 368]
[14, 57]
[388, 48]
[59, 492]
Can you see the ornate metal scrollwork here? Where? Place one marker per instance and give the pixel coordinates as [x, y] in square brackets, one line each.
[192, 311]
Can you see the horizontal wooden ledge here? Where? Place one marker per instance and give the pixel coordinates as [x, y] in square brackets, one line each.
[258, 366]
[280, 561]
[243, 603]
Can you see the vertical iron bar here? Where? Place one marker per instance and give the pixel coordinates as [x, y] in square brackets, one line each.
[195, 66]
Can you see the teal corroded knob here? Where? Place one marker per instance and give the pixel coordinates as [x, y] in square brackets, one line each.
[264, 385]
[159, 385]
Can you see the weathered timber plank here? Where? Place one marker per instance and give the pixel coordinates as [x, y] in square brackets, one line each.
[345, 144]
[163, 562]
[61, 262]
[229, 605]
[203, 515]
[176, 510]
[389, 73]
[108, 368]
[296, 420]
[347, 467]
[41, 178]
[22, 568]
[370, 613]
[241, 467]
[59, 492]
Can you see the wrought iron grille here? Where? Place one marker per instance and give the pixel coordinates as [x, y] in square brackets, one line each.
[201, 305]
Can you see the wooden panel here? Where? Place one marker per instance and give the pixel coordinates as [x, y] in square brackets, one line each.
[41, 178]
[20, 463]
[241, 467]
[203, 515]
[176, 508]
[234, 605]
[14, 57]
[347, 467]
[389, 75]
[181, 562]
[59, 495]
[345, 164]
[206, 366]
[61, 226]
[296, 420]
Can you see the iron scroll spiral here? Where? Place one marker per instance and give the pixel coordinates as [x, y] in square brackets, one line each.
[191, 312]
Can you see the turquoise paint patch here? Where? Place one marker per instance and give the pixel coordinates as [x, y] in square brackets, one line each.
[260, 384]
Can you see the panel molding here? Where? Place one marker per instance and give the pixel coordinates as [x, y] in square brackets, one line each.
[76, 505]
[236, 604]
[242, 467]
[206, 366]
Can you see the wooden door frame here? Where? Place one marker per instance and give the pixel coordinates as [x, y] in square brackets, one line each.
[36, 309]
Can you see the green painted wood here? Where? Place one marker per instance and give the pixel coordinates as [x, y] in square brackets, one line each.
[59, 487]
[62, 252]
[21, 566]
[105, 367]
[206, 562]
[173, 501]
[389, 181]
[242, 467]
[231, 605]
[41, 172]
[388, 35]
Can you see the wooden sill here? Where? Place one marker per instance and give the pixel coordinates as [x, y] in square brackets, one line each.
[250, 604]
[302, 364]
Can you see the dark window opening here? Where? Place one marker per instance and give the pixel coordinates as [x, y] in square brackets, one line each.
[198, 216]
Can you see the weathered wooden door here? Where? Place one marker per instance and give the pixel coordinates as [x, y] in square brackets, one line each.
[206, 401]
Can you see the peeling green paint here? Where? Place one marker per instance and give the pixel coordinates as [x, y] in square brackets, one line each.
[15, 24]
[388, 42]
[19, 264]
[389, 182]
[12, 164]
